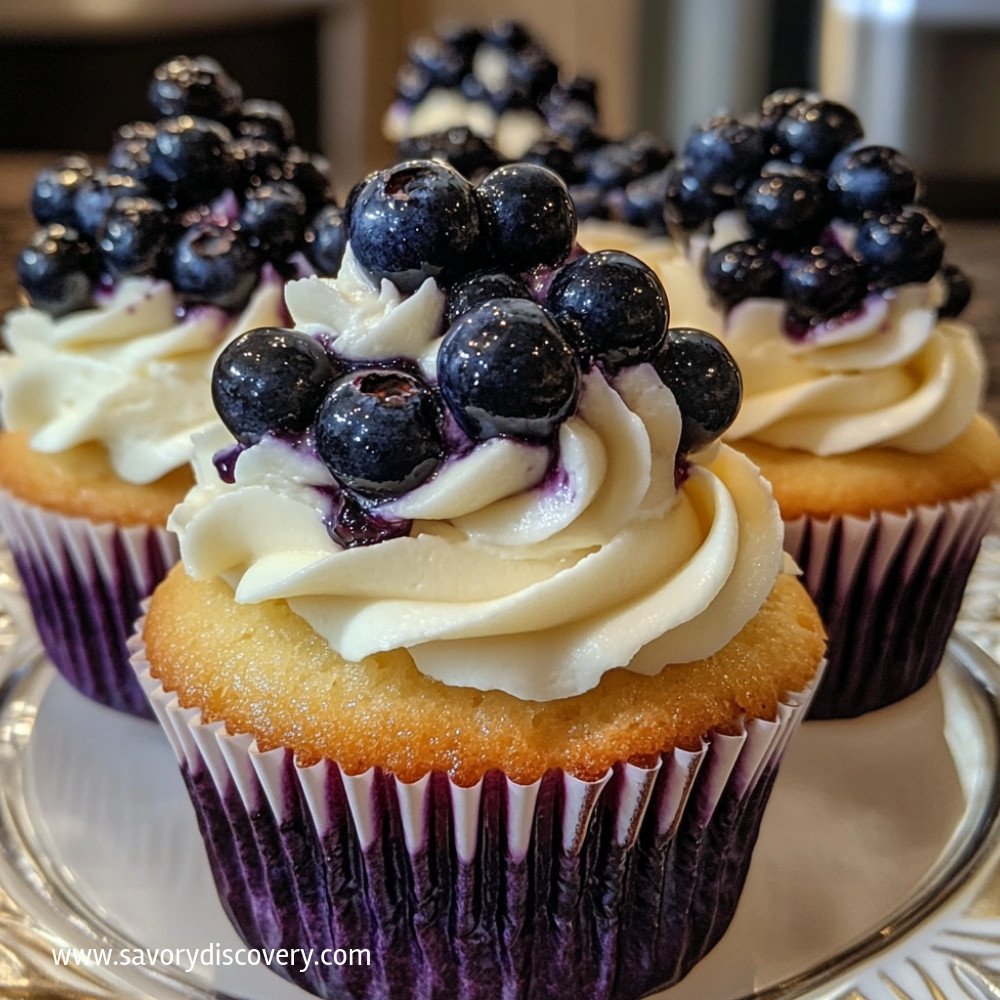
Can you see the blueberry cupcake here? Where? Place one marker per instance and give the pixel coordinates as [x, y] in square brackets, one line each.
[862, 386]
[138, 276]
[472, 600]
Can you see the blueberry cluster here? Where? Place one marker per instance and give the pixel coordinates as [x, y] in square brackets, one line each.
[204, 196]
[526, 314]
[829, 218]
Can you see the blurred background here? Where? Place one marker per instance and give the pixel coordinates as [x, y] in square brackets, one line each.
[924, 75]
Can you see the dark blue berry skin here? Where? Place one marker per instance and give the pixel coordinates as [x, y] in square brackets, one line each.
[134, 236]
[477, 289]
[611, 307]
[325, 240]
[959, 291]
[533, 71]
[742, 270]
[266, 120]
[619, 163]
[129, 153]
[310, 173]
[898, 248]
[705, 381]
[556, 153]
[273, 218]
[57, 271]
[459, 147]
[191, 160]
[642, 202]
[443, 65]
[725, 154]
[870, 179]
[505, 369]
[254, 162]
[216, 266]
[775, 106]
[812, 132]
[94, 199]
[196, 86]
[528, 216]
[822, 284]
[689, 201]
[417, 220]
[55, 189]
[270, 381]
[787, 205]
[380, 432]
[413, 84]
[590, 201]
[511, 36]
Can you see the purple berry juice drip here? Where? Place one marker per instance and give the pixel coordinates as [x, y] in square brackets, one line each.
[225, 462]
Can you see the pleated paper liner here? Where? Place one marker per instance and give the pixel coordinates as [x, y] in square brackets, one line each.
[85, 583]
[559, 889]
[889, 588]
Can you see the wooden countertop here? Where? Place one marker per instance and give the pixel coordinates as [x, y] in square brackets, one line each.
[972, 245]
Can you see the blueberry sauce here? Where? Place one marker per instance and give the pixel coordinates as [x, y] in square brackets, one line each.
[351, 524]
[225, 462]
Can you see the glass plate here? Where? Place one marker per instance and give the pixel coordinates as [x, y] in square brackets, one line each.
[876, 876]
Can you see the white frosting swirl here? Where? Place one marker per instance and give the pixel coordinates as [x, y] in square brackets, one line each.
[128, 374]
[514, 575]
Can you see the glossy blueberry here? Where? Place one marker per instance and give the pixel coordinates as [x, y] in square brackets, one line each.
[775, 106]
[134, 236]
[196, 86]
[705, 381]
[472, 88]
[590, 201]
[325, 240]
[813, 131]
[57, 271]
[533, 72]
[642, 202]
[95, 198]
[459, 147]
[266, 120]
[958, 290]
[788, 205]
[129, 153]
[255, 162]
[899, 247]
[55, 188]
[413, 83]
[463, 38]
[822, 284]
[577, 122]
[725, 154]
[270, 381]
[505, 369]
[611, 307]
[528, 216]
[310, 173]
[477, 289]
[215, 265]
[576, 90]
[273, 218]
[742, 270]
[380, 432]
[689, 201]
[556, 153]
[619, 163]
[870, 179]
[443, 65]
[191, 159]
[417, 220]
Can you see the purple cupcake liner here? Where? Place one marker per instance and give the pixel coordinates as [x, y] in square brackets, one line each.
[85, 583]
[889, 588]
[559, 890]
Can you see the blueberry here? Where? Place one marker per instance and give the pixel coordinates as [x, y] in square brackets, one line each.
[787, 204]
[443, 65]
[94, 199]
[191, 159]
[255, 162]
[505, 368]
[511, 36]
[689, 201]
[871, 179]
[55, 189]
[742, 270]
[215, 265]
[380, 432]
[130, 152]
[822, 284]
[417, 220]
[477, 289]
[472, 89]
[134, 236]
[581, 90]
[900, 247]
[642, 202]
[273, 218]
[533, 72]
[959, 290]
[725, 154]
[196, 86]
[618, 163]
[463, 38]
[325, 240]
[266, 120]
[590, 201]
[556, 153]
[412, 84]
[57, 271]
[528, 216]
[577, 122]
[270, 381]
[310, 173]
[775, 106]
[813, 131]
[705, 381]
[611, 307]
[459, 147]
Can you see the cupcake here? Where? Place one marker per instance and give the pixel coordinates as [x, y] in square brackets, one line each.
[137, 278]
[862, 387]
[482, 652]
